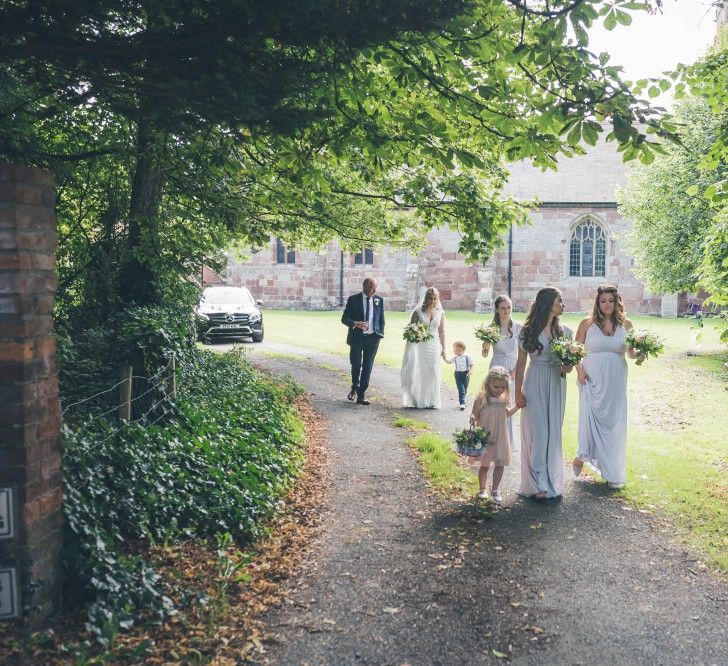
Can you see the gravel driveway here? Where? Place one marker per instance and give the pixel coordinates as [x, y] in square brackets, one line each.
[400, 575]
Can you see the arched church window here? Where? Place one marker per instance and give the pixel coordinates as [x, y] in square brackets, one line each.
[588, 249]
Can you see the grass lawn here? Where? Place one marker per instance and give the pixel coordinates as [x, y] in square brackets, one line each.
[677, 451]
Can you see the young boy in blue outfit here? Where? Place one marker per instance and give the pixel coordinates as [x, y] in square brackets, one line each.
[463, 370]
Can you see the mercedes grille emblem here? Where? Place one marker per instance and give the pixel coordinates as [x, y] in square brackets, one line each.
[230, 317]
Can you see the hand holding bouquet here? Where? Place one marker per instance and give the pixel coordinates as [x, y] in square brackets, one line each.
[471, 441]
[645, 343]
[489, 334]
[568, 351]
[419, 332]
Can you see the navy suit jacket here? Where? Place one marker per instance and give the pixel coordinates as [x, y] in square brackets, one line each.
[354, 311]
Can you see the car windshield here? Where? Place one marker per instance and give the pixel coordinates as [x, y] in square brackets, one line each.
[222, 296]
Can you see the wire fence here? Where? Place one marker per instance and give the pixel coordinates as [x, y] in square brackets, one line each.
[133, 399]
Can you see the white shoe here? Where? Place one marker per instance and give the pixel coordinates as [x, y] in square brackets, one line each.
[483, 494]
[497, 497]
[462, 407]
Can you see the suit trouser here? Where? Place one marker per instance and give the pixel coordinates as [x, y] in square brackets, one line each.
[361, 356]
[461, 381]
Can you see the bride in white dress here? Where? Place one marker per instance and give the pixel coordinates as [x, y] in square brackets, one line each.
[420, 374]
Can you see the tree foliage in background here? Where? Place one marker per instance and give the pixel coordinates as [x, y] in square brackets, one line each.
[709, 80]
[669, 223]
[176, 127]
[679, 204]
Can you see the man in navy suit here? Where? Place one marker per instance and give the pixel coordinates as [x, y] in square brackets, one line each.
[364, 316]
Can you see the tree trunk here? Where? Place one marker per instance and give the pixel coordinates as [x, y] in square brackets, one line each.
[137, 277]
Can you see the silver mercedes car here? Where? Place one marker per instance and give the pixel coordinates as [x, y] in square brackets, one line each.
[227, 312]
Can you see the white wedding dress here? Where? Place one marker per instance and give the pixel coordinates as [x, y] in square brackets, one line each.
[420, 373]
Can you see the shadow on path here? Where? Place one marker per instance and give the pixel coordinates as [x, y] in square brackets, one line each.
[400, 575]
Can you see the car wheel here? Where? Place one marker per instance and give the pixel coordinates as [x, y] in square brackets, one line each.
[258, 337]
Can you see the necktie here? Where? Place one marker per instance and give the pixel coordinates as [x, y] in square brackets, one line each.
[366, 312]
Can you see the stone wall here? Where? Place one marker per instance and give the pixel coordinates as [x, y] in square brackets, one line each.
[315, 280]
[540, 258]
[30, 452]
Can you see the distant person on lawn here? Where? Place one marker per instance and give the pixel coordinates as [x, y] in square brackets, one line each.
[364, 316]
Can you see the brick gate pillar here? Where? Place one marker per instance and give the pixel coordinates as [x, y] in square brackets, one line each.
[30, 451]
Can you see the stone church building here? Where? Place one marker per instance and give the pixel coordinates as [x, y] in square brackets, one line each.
[575, 242]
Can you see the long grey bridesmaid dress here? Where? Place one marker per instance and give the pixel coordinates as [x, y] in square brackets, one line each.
[542, 462]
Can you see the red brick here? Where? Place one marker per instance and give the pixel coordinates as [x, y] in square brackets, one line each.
[27, 327]
[16, 351]
[8, 239]
[48, 428]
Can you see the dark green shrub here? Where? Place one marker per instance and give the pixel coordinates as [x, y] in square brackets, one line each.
[219, 465]
[89, 359]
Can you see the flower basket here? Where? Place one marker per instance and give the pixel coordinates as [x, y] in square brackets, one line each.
[471, 441]
[489, 334]
[419, 332]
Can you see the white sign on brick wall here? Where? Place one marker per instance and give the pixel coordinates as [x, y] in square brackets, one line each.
[9, 606]
[7, 524]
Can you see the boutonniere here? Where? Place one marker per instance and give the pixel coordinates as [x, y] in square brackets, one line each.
[377, 301]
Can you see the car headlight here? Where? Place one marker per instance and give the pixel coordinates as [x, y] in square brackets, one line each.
[201, 316]
[254, 318]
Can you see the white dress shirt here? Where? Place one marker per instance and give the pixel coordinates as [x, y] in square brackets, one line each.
[370, 323]
[463, 363]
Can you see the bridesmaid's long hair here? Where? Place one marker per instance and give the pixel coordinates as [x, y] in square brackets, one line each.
[617, 315]
[496, 316]
[430, 296]
[537, 319]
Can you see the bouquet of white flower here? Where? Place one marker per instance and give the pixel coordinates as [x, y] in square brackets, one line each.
[490, 334]
[471, 441]
[568, 351]
[647, 343]
[418, 332]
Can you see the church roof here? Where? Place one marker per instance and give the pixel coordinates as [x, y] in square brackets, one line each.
[589, 178]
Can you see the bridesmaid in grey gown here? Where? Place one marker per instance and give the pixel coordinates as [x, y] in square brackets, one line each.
[602, 378]
[505, 352]
[541, 393]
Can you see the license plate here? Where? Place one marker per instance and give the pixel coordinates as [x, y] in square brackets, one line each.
[229, 325]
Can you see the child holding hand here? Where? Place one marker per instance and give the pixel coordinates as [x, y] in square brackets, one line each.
[490, 411]
[463, 370]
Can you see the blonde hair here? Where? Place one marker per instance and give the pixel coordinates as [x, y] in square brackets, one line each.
[496, 373]
[459, 344]
[430, 295]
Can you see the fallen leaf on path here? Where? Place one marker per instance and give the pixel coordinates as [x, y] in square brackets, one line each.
[390, 610]
[500, 655]
[515, 604]
[328, 621]
[536, 526]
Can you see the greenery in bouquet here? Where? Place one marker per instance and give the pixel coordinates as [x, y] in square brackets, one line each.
[471, 441]
[646, 343]
[490, 334]
[419, 332]
[568, 351]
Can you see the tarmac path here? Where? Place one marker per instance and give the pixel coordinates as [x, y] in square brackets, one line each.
[400, 575]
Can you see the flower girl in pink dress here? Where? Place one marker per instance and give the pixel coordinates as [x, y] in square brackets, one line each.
[490, 411]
